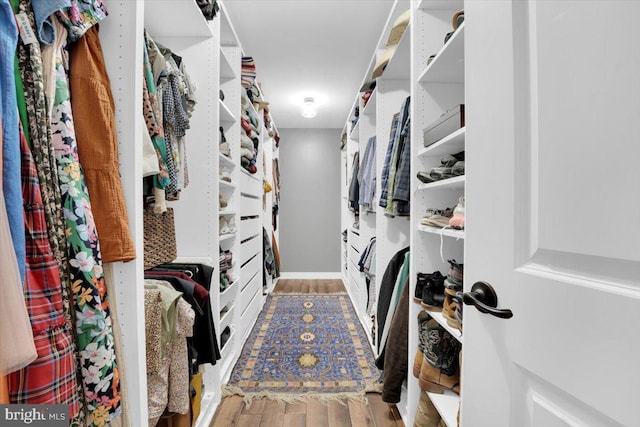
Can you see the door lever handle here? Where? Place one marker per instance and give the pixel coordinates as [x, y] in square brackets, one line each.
[484, 298]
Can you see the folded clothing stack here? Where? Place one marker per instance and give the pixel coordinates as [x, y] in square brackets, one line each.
[249, 137]
[248, 71]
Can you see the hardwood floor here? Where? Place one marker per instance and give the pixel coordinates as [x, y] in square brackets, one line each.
[312, 286]
[232, 412]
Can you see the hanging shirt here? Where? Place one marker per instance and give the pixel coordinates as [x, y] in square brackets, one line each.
[368, 173]
[11, 186]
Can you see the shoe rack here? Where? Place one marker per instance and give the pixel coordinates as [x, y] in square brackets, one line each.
[212, 53]
[436, 87]
[229, 119]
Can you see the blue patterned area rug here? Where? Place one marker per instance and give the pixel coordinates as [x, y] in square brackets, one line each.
[305, 345]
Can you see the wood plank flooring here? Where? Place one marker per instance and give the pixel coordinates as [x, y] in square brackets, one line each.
[232, 412]
[311, 286]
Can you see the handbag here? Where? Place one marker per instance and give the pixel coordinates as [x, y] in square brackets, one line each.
[159, 238]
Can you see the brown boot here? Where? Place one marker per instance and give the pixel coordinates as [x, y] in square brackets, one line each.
[426, 414]
[423, 317]
[440, 369]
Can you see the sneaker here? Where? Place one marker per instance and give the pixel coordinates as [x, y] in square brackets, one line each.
[432, 291]
[438, 220]
[224, 226]
[231, 222]
[457, 219]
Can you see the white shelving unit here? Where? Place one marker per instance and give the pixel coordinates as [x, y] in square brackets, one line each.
[212, 53]
[375, 119]
[435, 87]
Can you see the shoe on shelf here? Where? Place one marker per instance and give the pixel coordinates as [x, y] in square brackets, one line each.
[225, 174]
[457, 219]
[224, 336]
[432, 291]
[438, 220]
[426, 414]
[440, 368]
[231, 222]
[224, 226]
[225, 149]
[421, 282]
[436, 174]
[458, 168]
[457, 315]
[423, 318]
[223, 202]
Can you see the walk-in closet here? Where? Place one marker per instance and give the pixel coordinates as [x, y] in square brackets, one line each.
[348, 213]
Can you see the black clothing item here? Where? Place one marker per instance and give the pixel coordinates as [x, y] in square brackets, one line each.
[396, 357]
[386, 288]
[354, 187]
[206, 349]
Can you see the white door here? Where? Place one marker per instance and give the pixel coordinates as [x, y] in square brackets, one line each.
[553, 213]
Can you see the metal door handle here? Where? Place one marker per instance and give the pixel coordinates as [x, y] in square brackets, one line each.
[484, 298]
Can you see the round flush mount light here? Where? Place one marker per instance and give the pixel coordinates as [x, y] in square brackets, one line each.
[309, 108]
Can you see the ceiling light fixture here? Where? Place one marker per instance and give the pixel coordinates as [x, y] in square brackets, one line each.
[309, 108]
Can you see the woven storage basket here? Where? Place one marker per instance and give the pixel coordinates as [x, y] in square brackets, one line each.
[159, 238]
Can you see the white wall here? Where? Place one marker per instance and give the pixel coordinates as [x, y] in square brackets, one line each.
[310, 200]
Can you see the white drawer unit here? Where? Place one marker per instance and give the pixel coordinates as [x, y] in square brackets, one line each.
[354, 255]
[250, 248]
[246, 295]
[249, 270]
[250, 206]
[250, 227]
[250, 185]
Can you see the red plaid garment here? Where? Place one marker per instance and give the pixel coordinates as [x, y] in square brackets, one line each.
[51, 378]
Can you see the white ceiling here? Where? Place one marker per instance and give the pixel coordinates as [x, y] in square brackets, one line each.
[309, 47]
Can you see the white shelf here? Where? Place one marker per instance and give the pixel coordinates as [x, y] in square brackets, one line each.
[226, 184]
[448, 65]
[186, 19]
[449, 232]
[227, 295]
[399, 66]
[226, 318]
[249, 174]
[355, 132]
[450, 144]
[225, 159]
[438, 317]
[226, 70]
[451, 5]
[225, 113]
[447, 405]
[456, 183]
[370, 108]
[229, 212]
[225, 237]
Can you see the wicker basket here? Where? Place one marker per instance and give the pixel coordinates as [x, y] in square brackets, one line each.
[159, 238]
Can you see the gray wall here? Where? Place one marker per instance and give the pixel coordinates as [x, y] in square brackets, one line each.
[310, 200]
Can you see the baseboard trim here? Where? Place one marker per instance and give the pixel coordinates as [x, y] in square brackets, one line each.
[308, 275]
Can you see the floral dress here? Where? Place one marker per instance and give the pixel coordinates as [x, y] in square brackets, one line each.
[100, 375]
